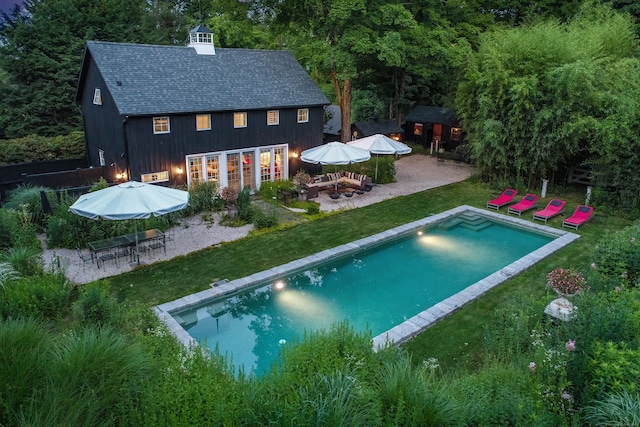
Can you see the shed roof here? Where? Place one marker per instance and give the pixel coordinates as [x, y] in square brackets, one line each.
[430, 114]
[150, 79]
[376, 126]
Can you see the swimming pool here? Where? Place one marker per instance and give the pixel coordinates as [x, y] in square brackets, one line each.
[395, 283]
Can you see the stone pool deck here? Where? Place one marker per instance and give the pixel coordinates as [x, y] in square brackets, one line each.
[411, 327]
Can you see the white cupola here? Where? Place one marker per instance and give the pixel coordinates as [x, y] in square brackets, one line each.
[201, 39]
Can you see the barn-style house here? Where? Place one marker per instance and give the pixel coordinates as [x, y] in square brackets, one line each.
[186, 114]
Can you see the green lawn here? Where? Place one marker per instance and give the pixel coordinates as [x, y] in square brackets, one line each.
[456, 341]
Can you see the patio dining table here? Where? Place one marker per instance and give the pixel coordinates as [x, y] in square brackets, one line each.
[123, 241]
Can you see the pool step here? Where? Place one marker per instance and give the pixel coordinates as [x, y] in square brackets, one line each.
[469, 221]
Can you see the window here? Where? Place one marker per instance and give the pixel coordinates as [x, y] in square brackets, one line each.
[213, 168]
[101, 157]
[417, 129]
[155, 177]
[201, 38]
[303, 115]
[273, 117]
[265, 165]
[239, 120]
[160, 125]
[195, 169]
[278, 163]
[248, 173]
[395, 136]
[233, 170]
[97, 97]
[455, 134]
[203, 122]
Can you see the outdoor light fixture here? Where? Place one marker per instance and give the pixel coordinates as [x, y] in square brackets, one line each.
[420, 233]
[179, 170]
[279, 285]
[294, 154]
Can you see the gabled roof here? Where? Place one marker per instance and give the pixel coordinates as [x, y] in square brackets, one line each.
[372, 127]
[150, 79]
[424, 114]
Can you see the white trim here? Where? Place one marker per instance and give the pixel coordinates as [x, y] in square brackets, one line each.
[97, 97]
[157, 123]
[273, 114]
[238, 115]
[162, 176]
[222, 164]
[197, 122]
[304, 112]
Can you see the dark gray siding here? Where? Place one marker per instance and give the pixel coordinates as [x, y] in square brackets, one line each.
[103, 125]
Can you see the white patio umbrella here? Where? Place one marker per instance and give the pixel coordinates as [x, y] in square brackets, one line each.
[335, 153]
[380, 144]
[130, 200]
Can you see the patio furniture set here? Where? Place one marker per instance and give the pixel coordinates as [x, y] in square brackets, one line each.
[127, 246]
[555, 207]
[345, 182]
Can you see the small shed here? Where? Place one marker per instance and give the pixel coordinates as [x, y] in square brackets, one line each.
[428, 124]
[387, 127]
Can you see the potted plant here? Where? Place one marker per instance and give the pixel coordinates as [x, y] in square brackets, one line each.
[566, 281]
[230, 195]
[301, 179]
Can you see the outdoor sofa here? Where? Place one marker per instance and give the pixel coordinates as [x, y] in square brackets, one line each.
[329, 180]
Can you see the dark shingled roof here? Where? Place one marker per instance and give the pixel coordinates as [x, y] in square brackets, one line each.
[373, 127]
[149, 79]
[423, 114]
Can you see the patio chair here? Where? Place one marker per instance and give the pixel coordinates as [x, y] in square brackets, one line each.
[122, 252]
[170, 237]
[106, 255]
[528, 202]
[554, 208]
[156, 245]
[505, 198]
[579, 217]
[84, 258]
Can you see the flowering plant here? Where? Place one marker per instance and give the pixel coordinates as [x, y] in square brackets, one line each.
[301, 178]
[566, 281]
[229, 194]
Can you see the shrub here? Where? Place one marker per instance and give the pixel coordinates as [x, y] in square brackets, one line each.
[44, 296]
[262, 220]
[243, 201]
[39, 148]
[25, 260]
[28, 198]
[9, 225]
[92, 376]
[203, 196]
[95, 305]
[566, 281]
[313, 209]
[613, 368]
[269, 191]
[615, 409]
[25, 351]
[618, 255]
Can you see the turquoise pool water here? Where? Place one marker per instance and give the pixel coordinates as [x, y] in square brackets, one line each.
[377, 288]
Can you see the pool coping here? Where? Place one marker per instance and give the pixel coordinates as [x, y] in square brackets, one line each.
[405, 331]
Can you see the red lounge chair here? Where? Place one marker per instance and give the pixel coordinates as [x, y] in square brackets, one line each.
[579, 217]
[553, 208]
[505, 198]
[528, 202]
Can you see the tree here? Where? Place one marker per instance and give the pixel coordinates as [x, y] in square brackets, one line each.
[41, 48]
[538, 99]
[327, 35]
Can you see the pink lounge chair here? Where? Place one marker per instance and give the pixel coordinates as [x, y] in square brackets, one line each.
[554, 208]
[579, 217]
[505, 198]
[528, 202]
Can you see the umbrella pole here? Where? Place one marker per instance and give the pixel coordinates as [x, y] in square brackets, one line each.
[376, 175]
[136, 230]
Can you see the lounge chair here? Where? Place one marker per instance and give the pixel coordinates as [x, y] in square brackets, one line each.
[528, 202]
[579, 217]
[554, 208]
[505, 198]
